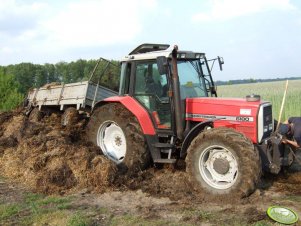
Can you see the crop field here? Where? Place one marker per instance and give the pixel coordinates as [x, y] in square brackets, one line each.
[269, 91]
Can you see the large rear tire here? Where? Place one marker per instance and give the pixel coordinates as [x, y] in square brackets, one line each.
[117, 132]
[222, 161]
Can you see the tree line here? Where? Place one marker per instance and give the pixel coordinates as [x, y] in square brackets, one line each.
[16, 80]
[251, 80]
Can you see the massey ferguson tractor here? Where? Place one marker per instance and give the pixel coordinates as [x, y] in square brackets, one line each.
[167, 109]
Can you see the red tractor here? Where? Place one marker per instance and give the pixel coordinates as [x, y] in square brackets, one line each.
[167, 109]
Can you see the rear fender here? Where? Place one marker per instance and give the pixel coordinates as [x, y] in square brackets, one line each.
[135, 107]
[192, 134]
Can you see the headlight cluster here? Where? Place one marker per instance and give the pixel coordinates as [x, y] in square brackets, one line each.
[189, 55]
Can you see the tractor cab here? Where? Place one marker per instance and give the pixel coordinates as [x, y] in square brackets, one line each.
[147, 76]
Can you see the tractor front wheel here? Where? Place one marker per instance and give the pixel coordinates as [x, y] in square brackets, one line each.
[222, 161]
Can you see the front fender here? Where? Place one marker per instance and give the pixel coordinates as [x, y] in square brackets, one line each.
[192, 134]
[135, 107]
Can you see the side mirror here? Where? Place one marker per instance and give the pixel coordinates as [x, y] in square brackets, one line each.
[162, 65]
[220, 62]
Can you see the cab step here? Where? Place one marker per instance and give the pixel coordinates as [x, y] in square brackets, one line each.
[163, 145]
[171, 161]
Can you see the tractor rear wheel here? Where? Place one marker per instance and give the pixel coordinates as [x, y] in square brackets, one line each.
[117, 132]
[222, 161]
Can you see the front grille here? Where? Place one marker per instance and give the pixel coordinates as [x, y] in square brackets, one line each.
[267, 121]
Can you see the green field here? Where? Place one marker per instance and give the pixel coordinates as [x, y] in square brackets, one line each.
[270, 91]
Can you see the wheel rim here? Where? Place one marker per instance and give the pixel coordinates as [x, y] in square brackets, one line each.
[218, 167]
[111, 140]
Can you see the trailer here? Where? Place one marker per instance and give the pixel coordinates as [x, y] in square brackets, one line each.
[80, 95]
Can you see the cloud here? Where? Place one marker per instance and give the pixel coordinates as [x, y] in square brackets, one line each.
[94, 22]
[227, 9]
[32, 29]
[16, 18]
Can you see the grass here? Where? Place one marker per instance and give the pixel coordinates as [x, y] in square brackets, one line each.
[40, 204]
[79, 219]
[269, 91]
[8, 211]
[37, 208]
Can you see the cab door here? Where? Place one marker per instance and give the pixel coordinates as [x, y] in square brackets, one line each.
[150, 89]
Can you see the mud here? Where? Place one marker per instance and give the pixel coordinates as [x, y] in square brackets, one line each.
[289, 183]
[11, 192]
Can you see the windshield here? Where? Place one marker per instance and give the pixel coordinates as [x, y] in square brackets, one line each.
[191, 75]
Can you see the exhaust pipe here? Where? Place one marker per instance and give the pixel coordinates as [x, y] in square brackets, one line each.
[176, 93]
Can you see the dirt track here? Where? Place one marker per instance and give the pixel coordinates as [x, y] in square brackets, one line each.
[46, 157]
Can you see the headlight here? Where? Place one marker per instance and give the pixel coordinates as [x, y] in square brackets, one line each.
[198, 55]
[182, 55]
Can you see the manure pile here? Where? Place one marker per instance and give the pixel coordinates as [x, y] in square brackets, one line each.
[50, 158]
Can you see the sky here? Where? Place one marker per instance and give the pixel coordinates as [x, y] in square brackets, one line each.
[256, 38]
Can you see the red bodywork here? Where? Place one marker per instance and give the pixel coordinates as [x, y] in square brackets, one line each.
[135, 107]
[235, 113]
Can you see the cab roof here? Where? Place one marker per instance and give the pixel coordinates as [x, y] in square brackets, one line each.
[149, 51]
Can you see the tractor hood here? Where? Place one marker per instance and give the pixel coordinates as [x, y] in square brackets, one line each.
[239, 114]
[222, 108]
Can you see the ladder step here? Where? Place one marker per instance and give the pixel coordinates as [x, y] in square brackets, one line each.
[165, 161]
[163, 145]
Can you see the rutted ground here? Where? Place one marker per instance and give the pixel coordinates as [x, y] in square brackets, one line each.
[44, 157]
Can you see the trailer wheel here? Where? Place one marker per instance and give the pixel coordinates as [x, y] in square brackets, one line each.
[69, 117]
[222, 161]
[117, 132]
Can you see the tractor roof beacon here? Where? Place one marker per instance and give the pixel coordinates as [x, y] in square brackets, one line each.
[167, 109]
